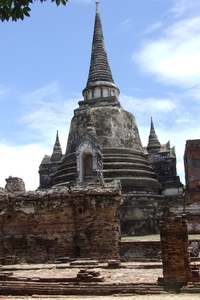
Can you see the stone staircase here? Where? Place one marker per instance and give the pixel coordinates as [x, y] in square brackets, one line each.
[25, 286]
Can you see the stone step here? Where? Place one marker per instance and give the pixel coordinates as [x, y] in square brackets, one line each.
[122, 151]
[125, 158]
[126, 165]
[70, 169]
[130, 182]
[65, 177]
[22, 287]
[128, 172]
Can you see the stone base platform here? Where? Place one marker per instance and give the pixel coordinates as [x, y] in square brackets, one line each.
[62, 279]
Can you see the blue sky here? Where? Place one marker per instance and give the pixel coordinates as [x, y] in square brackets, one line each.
[153, 48]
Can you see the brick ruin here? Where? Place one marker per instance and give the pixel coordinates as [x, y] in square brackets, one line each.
[80, 225]
[192, 180]
[46, 225]
[177, 267]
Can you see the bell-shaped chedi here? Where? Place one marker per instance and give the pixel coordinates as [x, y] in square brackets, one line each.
[162, 158]
[153, 144]
[57, 151]
[50, 164]
[104, 145]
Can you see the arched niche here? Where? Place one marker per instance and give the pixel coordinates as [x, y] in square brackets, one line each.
[86, 170]
[89, 161]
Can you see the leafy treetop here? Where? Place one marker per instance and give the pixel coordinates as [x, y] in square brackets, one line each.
[18, 9]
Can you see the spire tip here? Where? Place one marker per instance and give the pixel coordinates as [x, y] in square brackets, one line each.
[97, 5]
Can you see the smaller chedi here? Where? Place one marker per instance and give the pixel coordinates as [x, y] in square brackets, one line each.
[162, 158]
[50, 164]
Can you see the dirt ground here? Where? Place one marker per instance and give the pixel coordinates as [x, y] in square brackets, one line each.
[131, 272]
[114, 297]
[128, 273]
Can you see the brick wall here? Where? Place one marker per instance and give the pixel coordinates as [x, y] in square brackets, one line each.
[140, 250]
[192, 163]
[45, 225]
[192, 191]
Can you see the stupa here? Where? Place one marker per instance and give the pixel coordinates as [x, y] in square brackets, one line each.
[162, 158]
[104, 145]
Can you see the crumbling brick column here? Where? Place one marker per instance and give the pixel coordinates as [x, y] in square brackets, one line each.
[175, 255]
[14, 184]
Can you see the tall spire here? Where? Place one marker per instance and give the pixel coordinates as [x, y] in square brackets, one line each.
[99, 71]
[153, 144]
[57, 151]
[99, 66]
[97, 6]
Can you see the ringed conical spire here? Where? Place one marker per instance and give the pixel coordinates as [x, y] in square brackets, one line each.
[153, 144]
[100, 74]
[99, 65]
[57, 151]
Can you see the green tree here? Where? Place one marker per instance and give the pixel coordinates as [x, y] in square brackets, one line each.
[18, 9]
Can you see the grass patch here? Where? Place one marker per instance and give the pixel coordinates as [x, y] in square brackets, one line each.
[153, 237]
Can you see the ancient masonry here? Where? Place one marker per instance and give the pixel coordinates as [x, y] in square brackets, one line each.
[47, 225]
[50, 164]
[104, 145]
[177, 268]
[192, 180]
[162, 158]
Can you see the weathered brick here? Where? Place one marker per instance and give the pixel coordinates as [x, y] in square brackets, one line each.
[175, 255]
[42, 226]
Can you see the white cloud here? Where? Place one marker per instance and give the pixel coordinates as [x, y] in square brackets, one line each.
[125, 26]
[3, 91]
[42, 113]
[22, 162]
[174, 58]
[46, 110]
[194, 94]
[169, 113]
[152, 27]
[184, 6]
[149, 106]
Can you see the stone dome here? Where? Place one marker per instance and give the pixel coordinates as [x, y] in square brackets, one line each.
[109, 148]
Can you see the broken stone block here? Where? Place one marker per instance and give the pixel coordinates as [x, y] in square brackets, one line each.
[114, 263]
[14, 184]
[89, 275]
